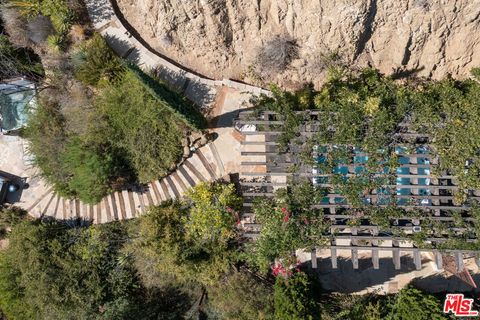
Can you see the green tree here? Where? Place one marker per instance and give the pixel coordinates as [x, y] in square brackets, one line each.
[10, 217]
[58, 273]
[412, 304]
[240, 296]
[130, 119]
[293, 299]
[213, 212]
[96, 63]
[47, 140]
[17, 62]
[288, 224]
[163, 250]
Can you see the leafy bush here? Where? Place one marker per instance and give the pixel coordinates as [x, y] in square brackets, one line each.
[90, 171]
[59, 13]
[47, 140]
[475, 72]
[51, 271]
[163, 250]
[241, 297]
[409, 303]
[126, 136]
[14, 25]
[293, 299]
[213, 213]
[449, 111]
[55, 42]
[16, 62]
[10, 217]
[58, 273]
[130, 119]
[288, 224]
[95, 62]
[276, 55]
[412, 304]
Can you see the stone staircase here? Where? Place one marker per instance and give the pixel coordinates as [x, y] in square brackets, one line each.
[204, 165]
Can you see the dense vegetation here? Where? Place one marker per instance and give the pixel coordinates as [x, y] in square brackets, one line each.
[104, 130]
[101, 123]
[288, 223]
[366, 112]
[61, 16]
[155, 268]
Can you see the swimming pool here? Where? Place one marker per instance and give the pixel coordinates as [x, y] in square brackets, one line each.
[17, 97]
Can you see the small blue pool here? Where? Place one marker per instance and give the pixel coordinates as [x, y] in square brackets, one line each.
[17, 98]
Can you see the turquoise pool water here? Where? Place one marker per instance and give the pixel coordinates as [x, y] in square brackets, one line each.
[403, 170]
[340, 170]
[358, 161]
[16, 99]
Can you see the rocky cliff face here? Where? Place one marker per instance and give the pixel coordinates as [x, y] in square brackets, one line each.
[220, 38]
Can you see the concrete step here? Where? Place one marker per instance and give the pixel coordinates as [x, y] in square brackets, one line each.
[183, 173]
[179, 182]
[42, 205]
[112, 205]
[218, 160]
[69, 209]
[208, 160]
[156, 198]
[104, 216]
[139, 203]
[91, 212]
[120, 205]
[56, 211]
[199, 165]
[129, 204]
[98, 213]
[159, 189]
[173, 187]
[194, 172]
[148, 192]
[36, 202]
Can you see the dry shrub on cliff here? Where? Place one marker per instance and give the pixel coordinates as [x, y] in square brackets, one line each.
[15, 25]
[325, 60]
[275, 56]
[39, 28]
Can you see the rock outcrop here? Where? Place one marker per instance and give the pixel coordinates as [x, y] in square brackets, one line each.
[220, 38]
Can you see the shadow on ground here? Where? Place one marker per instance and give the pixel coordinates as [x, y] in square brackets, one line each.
[20, 182]
[197, 92]
[345, 279]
